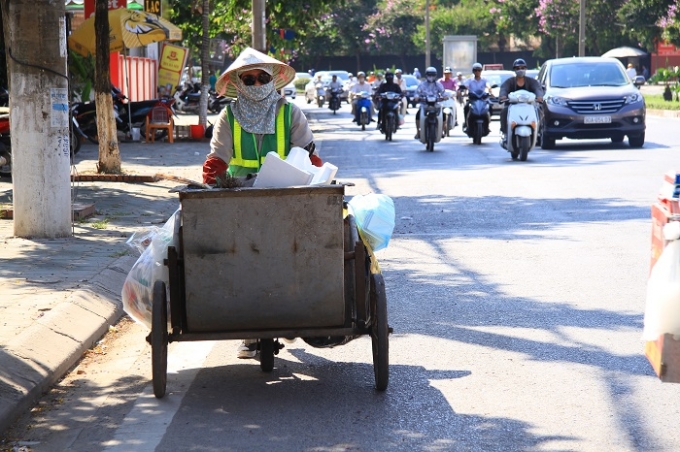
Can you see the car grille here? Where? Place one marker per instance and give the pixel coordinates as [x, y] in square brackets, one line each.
[585, 107]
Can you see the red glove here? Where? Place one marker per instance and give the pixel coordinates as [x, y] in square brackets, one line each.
[316, 161]
[211, 168]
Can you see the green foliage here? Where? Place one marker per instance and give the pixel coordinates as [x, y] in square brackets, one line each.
[81, 73]
[301, 83]
[392, 26]
[657, 102]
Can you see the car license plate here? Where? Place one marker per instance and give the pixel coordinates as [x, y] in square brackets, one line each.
[597, 119]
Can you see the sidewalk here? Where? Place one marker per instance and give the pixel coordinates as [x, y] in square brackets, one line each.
[60, 296]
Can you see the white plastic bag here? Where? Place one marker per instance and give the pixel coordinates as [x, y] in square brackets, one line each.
[374, 215]
[662, 309]
[137, 291]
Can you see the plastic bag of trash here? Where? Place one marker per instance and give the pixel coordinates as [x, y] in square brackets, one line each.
[140, 240]
[137, 291]
[662, 308]
[374, 215]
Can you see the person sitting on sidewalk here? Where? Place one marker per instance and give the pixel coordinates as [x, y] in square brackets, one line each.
[259, 116]
[261, 120]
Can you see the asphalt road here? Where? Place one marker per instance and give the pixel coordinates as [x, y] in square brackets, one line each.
[516, 292]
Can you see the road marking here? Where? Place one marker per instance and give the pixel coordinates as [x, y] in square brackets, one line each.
[145, 425]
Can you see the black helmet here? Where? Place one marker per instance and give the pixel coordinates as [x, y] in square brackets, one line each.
[519, 62]
[389, 76]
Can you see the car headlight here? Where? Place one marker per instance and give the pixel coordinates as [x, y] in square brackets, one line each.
[556, 100]
[633, 98]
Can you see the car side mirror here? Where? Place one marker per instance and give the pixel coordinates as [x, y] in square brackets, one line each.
[638, 81]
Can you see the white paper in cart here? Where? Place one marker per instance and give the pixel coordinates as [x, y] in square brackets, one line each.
[295, 170]
[662, 308]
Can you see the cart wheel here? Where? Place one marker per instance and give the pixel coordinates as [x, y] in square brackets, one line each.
[267, 355]
[159, 339]
[380, 333]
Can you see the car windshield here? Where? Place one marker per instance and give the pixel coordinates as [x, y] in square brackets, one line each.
[495, 79]
[410, 80]
[587, 74]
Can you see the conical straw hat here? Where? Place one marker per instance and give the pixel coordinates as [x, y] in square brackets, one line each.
[251, 58]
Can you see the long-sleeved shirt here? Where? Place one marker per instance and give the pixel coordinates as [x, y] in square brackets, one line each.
[429, 89]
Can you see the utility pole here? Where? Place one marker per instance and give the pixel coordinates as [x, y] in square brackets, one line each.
[259, 32]
[40, 117]
[427, 34]
[582, 28]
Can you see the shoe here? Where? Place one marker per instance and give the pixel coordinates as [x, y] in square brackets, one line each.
[417, 137]
[377, 126]
[247, 349]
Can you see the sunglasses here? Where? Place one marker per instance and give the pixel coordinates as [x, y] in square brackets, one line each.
[476, 70]
[520, 67]
[262, 77]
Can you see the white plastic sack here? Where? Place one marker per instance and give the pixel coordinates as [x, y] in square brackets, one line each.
[662, 309]
[137, 291]
[374, 215]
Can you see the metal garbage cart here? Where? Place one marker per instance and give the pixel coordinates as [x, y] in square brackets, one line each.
[268, 263]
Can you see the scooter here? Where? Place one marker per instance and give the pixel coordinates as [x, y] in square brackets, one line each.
[432, 120]
[390, 104]
[320, 94]
[363, 109]
[522, 124]
[478, 117]
[449, 113]
[334, 99]
[188, 100]
[217, 103]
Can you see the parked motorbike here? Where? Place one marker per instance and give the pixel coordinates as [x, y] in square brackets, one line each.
[363, 109]
[216, 103]
[522, 124]
[86, 115]
[334, 99]
[390, 104]
[449, 113]
[6, 142]
[431, 121]
[188, 100]
[478, 117]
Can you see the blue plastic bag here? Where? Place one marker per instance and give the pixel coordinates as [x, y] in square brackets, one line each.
[374, 215]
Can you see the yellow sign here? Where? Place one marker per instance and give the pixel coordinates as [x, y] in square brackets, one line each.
[171, 64]
[152, 6]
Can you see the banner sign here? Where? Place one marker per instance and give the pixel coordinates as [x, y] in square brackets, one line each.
[173, 59]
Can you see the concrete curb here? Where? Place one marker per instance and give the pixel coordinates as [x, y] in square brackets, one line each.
[40, 355]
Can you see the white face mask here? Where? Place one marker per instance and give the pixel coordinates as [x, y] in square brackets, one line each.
[520, 72]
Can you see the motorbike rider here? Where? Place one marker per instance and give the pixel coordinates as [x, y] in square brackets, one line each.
[428, 87]
[416, 73]
[334, 84]
[461, 83]
[388, 86]
[448, 82]
[477, 83]
[399, 80]
[355, 91]
[516, 83]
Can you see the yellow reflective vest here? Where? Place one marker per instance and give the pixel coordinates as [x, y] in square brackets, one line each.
[247, 157]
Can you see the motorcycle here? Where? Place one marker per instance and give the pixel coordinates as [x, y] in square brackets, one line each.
[431, 118]
[320, 94]
[363, 109]
[188, 100]
[390, 104]
[6, 142]
[216, 103]
[522, 124]
[334, 99]
[449, 113]
[478, 117]
[86, 115]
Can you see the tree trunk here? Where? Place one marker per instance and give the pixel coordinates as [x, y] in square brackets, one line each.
[205, 75]
[109, 154]
[39, 120]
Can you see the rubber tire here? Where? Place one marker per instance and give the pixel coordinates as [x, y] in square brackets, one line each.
[379, 333]
[389, 127]
[74, 140]
[637, 141]
[159, 339]
[90, 131]
[267, 355]
[547, 142]
[363, 126]
[429, 140]
[524, 145]
[477, 139]
[319, 102]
